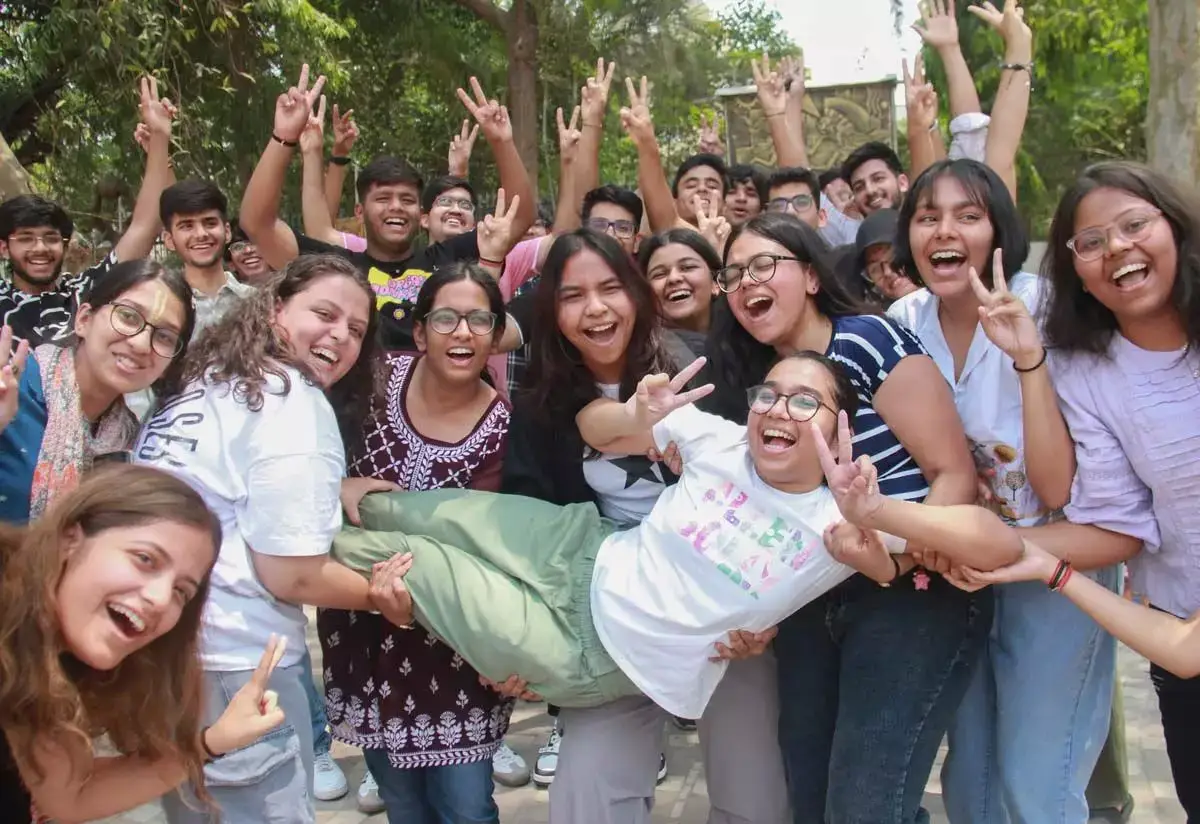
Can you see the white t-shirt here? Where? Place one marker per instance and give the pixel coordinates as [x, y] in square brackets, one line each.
[987, 395]
[720, 551]
[626, 486]
[273, 478]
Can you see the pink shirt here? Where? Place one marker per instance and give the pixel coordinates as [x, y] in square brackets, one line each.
[519, 266]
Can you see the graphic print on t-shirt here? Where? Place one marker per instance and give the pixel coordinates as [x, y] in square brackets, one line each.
[749, 546]
[626, 486]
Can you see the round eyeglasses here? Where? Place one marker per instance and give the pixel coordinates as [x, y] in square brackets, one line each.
[799, 203]
[801, 406]
[1134, 225]
[760, 268]
[129, 322]
[621, 229]
[445, 321]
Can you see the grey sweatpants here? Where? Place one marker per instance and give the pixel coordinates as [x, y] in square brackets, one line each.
[609, 755]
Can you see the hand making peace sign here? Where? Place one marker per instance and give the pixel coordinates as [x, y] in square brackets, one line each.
[855, 485]
[772, 91]
[458, 159]
[253, 711]
[636, 116]
[1005, 318]
[659, 395]
[489, 114]
[594, 94]
[712, 225]
[293, 107]
[495, 235]
[568, 136]
[11, 364]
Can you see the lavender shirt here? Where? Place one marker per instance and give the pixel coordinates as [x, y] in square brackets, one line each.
[1135, 418]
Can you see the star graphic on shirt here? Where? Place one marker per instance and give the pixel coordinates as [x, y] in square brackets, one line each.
[636, 467]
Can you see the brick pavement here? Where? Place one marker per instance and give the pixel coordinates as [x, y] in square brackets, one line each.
[682, 798]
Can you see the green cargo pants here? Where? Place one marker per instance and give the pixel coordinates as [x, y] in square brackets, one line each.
[503, 579]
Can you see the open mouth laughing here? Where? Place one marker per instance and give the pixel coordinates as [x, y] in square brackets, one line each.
[777, 440]
[128, 622]
[946, 262]
[1131, 275]
[460, 355]
[601, 334]
[758, 306]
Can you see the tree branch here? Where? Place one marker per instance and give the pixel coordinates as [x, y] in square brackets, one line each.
[487, 11]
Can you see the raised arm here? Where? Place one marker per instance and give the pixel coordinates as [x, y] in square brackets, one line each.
[318, 220]
[259, 216]
[458, 159]
[1011, 108]
[773, 98]
[345, 133]
[938, 27]
[925, 141]
[144, 225]
[567, 214]
[628, 428]
[497, 131]
[593, 106]
[652, 180]
[795, 84]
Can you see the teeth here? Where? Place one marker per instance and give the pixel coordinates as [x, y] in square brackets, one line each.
[757, 299]
[134, 619]
[395, 221]
[595, 330]
[325, 355]
[680, 294]
[1128, 268]
[460, 350]
[779, 433]
[945, 255]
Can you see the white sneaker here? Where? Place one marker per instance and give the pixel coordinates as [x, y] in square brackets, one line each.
[508, 768]
[329, 782]
[369, 801]
[547, 760]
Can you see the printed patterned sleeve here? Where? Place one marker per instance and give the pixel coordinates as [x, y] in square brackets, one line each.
[82, 282]
[1106, 492]
[868, 347]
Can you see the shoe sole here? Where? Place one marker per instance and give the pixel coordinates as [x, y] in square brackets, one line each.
[513, 781]
[371, 809]
[328, 797]
[543, 781]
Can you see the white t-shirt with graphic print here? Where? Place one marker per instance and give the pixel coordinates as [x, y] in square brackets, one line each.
[273, 477]
[721, 550]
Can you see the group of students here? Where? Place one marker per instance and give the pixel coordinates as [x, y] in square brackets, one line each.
[806, 460]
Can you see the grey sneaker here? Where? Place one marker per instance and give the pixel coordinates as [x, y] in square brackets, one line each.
[547, 760]
[508, 768]
[369, 801]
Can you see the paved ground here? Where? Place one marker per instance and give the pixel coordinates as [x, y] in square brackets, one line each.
[683, 796]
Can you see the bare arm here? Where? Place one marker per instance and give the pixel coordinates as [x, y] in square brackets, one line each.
[586, 175]
[497, 130]
[925, 142]
[965, 533]
[773, 98]
[567, 214]
[316, 580]
[627, 428]
[794, 152]
[1085, 546]
[1011, 108]
[1049, 450]
[939, 29]
[318, 221]
[144, 225]
[652, 180]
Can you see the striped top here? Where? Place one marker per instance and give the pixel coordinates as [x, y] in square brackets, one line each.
[868, 347]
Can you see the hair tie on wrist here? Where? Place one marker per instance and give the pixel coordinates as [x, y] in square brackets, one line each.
[339, 161]
[212, 756]
[491, 262]
[1033, 368]
[291, 144]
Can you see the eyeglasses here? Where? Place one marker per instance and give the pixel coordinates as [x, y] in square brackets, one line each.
[240, 246]
[760, 268]
[49, 239]
[878, 271]
[446, 321]
[447, 202]
[800, 406]
[1090, 244]
[129, 322]
[622, 229]
[800, 203]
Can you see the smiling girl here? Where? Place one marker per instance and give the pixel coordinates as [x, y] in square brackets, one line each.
[100, 604]
[254, 423]
[437, 424]
[62, 407]
[681, 265]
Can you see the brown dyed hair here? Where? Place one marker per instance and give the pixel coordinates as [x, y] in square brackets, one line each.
[150, 704]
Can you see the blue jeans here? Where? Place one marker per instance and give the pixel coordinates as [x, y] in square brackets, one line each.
[1034, 719]
[316, 709]
[869, 680]
[455, 794]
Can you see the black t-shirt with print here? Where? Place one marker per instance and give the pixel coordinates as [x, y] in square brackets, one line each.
[50, 316]
[397, 283]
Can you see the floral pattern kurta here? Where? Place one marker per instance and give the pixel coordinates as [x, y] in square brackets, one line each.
[400, 690]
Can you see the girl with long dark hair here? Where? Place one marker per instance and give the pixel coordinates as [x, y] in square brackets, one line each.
[849, 744]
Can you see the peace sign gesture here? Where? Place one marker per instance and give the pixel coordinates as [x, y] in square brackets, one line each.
[713, 227]
[772, 93]
[1005, 318]
[921, 99]
[568, 136]
[11, 364]
[636, 116]
[461, 146]
[710, 135]
[157, 113]
[594, 94]
[855, 485]
[659, 395]
[253, 711]
[293, 107]
[345, 131]
[312, 139]
[495, 235]
[489, 114]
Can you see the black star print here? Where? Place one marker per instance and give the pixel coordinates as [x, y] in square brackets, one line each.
[635, 467]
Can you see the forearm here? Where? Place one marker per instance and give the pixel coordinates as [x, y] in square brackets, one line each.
[326, 584]
[967, 534]
[610, 426]
[1085, 546]
[144, 224]
[335, 179]
[568, 211]
[515, 181]
[1049, 449]
[314, 204]
[587, 164]
[790, 150]
[656, 192]
[259, 215]
[114, 786]
[1009, 113]
[926, 147]
[963, 96]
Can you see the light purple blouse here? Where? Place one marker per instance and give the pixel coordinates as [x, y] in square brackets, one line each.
[1135, 418]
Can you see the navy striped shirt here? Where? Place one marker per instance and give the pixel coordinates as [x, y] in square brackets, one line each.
[868, 347]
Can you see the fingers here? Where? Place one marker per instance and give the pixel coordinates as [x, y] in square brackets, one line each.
[687, 373]
[269, 659]
[513, 207]
[466, 100]
[908, 78]
[380, 485]
[302, 83]
[562, 126]
[631, 91]
[845, 445]
[477, 89]
[998, 282]
[608, 76]
[321, 111]
[824, 456]
[574, 119]
[981, 292]
[501, 200]
[645, 92]
[693, 395]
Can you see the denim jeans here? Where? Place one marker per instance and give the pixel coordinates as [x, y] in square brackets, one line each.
[1031, 726]
[322, 741]
[1179, 705]
[269, 781]
[869, 680]
[453, 794]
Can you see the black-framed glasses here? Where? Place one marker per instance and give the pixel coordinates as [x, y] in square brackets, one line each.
[760, 268]
[801, 406]
[445, 321]
[800, 203]
[1132, 226]
[622, 229]
[128, 321]
[448, 202]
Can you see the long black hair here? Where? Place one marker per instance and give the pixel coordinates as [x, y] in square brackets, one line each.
[736, 359]
[132, 273]
[1073, 319]
[558, 384]
[985, 189]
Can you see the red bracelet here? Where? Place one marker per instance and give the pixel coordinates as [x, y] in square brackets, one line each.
[1061, 574]
[490, 262]
[1066, 577]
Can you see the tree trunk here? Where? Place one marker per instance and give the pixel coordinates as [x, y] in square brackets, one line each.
[14, 180]
[1173, 118]
[522, 41]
